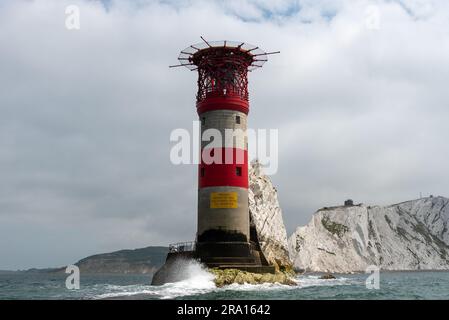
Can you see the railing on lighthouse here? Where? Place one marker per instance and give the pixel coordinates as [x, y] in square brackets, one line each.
[222, 66]
[182, 247]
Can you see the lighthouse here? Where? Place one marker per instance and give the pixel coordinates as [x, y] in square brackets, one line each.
[224, 237]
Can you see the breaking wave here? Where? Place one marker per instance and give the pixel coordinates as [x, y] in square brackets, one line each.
[315, 281]
[301, 282]
[198, 281]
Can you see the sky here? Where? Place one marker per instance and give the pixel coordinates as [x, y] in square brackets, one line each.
[358, 93]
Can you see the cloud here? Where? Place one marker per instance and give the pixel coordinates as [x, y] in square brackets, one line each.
[86, 115]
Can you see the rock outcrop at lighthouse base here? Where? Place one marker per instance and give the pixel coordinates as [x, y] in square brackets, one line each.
[412, 235]
[230, 276]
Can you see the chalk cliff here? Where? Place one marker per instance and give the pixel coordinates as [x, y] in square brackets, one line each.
[412, 235]
[266, 216]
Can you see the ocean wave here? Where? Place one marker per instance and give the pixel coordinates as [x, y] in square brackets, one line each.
[201, 282]
[315, 281]
[197, 281]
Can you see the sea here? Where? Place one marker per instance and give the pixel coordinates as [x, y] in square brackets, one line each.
[199, 284]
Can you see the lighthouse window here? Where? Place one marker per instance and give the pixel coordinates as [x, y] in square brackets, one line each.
[202, 172]
[203, 121]
[237, 119]
[238, 171]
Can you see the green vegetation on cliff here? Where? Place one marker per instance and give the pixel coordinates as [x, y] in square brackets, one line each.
[333, 227]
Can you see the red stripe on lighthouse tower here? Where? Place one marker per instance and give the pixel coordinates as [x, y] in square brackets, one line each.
[221, 103]
[233, 174]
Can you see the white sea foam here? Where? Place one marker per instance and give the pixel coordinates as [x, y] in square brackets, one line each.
[301, 282]
[257, 287]
[315, 281]
[198, 281]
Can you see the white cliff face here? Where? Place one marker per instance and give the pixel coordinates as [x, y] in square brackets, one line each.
[412, 235]
[266, 215]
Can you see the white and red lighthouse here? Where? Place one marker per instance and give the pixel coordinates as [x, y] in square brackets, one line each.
[224, 238]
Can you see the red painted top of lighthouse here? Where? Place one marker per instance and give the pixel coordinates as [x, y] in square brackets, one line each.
[222, 72]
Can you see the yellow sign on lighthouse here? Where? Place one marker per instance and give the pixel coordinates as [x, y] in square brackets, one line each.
[224, 200]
